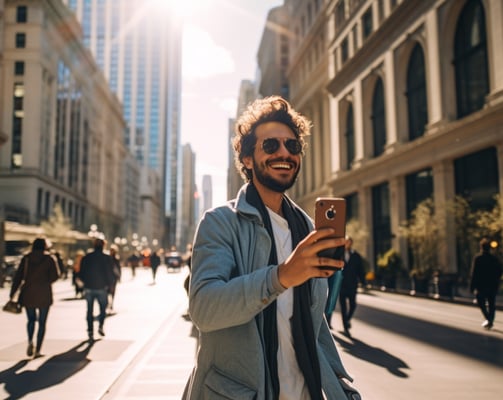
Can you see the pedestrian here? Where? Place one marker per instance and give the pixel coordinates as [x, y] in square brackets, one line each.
[134, 262]
[352, 274]
[155, 261]
[485, 281]
[77, 282]
[253, 294]
[96, 273]
[38, 269]
[117, 273]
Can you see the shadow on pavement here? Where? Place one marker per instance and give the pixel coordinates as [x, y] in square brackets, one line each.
[479, 346]
[374, 355]
[52, 372]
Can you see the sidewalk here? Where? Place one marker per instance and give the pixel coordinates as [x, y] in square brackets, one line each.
[147, 321]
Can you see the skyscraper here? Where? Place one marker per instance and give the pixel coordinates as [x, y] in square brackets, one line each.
[137, 44]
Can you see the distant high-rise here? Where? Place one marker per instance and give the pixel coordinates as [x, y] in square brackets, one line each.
[138, 46]
[207, 192]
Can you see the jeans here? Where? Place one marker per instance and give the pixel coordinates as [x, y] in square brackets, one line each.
[101, 295]
[31, 313]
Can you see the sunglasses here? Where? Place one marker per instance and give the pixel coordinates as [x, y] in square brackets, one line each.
[271, 145]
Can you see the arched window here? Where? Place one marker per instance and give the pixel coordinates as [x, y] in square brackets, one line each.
[470, 59]
[378, 119]
[350, 137]
[416, 93]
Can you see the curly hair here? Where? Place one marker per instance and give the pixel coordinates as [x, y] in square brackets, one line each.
[260, 111]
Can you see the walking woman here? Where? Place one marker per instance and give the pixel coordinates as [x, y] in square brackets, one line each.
[38, 270]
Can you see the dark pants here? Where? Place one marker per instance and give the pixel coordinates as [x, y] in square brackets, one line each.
[31, 313]
[487, 304]
[101, 295]
[347, 300]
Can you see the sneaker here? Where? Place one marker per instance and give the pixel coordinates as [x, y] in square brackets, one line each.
[90, 336]
[487, 324]
[29, 350]
[101, 331]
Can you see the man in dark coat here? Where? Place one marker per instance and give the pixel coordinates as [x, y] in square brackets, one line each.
[352, 273]
[485, 281]
[96, 272]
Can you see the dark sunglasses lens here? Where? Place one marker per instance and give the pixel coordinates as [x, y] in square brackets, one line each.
[293, 146]
[270, 146]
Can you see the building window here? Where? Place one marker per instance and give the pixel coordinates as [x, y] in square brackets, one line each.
[340, 15]
[344, 50]
[21, 14]
[381, 219]
[19, 68]
[350, 137]
[352, 207]
[419, 187]
[470, 59]
[17, 126]
[20, 40]
[378, 119]
[476, 187]
[416, 94]
[367, 24]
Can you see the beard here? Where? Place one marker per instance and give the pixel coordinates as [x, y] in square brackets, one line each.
[269, 182]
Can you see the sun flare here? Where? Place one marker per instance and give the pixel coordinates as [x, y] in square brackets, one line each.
[183, 9]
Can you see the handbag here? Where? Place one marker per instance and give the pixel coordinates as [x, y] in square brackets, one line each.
[13, 306]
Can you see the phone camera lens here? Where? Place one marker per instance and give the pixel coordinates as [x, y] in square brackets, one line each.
[330, 214]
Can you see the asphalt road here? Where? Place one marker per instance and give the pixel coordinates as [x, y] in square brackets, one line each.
[410, 348]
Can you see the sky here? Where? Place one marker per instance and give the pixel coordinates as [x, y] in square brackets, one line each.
[220, 45]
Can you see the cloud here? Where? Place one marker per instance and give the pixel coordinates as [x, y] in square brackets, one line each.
[202, 57]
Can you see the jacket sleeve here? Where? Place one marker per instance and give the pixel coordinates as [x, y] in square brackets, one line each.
[18, 276]
[230, 279]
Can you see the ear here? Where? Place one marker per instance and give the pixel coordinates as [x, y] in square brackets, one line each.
[248, 162]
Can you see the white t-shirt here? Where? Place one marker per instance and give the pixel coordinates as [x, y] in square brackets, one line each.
[291, 380]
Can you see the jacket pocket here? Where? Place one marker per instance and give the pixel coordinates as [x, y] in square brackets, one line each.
[218, 386]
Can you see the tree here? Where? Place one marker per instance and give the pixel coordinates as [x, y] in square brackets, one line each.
[58, 227]
[423, 234]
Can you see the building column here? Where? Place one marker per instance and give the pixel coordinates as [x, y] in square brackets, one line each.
[335, 157]
[390, 100]
[433, 73]
[444, 194]
[494, 16]
[358, 123]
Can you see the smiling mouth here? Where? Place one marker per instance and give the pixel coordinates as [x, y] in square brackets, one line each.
[281, 165]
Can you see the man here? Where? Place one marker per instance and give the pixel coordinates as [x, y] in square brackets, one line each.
[352, 274]
[485, 281]
[96, 273]
[253, 293]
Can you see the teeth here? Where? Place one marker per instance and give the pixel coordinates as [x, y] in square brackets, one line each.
[281, 166]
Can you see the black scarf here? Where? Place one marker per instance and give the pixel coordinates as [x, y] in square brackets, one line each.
[302, 325]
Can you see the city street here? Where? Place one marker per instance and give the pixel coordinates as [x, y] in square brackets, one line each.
[402, 347]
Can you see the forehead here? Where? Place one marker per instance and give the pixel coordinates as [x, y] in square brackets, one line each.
[273, 129]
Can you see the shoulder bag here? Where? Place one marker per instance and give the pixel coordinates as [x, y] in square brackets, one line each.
[13, 305]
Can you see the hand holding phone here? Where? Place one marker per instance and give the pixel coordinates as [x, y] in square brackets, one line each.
[330, 212]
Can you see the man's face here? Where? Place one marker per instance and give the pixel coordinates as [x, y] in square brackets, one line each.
[276, 171]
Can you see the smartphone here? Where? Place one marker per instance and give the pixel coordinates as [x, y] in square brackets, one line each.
[330, 212]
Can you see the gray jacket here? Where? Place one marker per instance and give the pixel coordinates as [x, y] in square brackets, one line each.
[231, 284]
